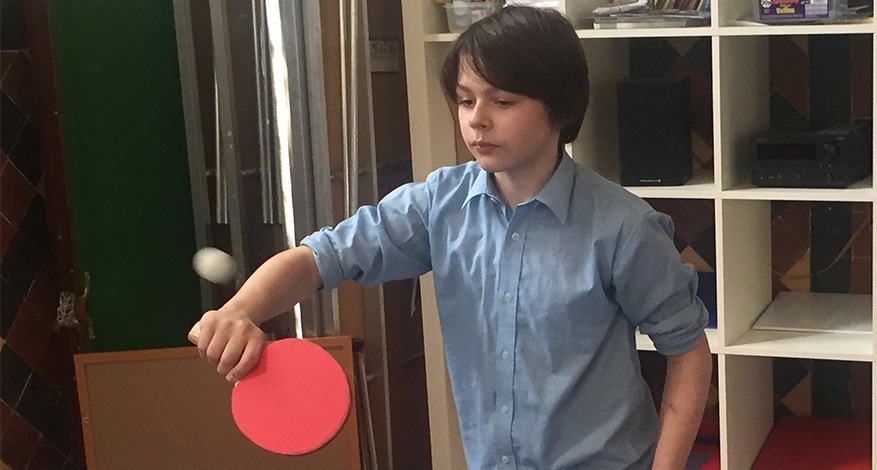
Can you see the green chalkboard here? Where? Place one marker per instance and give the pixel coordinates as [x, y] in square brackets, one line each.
[125, 161]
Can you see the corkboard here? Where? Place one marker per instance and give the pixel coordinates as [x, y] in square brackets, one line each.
[169, 409]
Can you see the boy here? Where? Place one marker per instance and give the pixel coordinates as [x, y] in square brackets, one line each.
[542, 270]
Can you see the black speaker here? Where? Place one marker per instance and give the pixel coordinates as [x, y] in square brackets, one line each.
[654, 131]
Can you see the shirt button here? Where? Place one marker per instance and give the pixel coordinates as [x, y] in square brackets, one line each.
[505, 353]
[504, 409]
[506, 459]
[507, 296]
[516, 236]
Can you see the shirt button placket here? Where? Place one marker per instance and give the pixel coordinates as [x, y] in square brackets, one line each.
[510, 279]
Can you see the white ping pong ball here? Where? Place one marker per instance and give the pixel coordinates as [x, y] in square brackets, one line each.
[214, 265]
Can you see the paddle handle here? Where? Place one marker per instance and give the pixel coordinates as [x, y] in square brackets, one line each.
[195, 333]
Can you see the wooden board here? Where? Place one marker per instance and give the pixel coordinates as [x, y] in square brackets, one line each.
[169, 409]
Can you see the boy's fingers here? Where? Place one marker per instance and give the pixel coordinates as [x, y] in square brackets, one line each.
[231, 356]
[249, 359]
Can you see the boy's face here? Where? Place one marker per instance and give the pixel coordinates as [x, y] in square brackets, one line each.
[507, 133]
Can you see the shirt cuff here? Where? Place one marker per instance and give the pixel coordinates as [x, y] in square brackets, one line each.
[685, 334]
[327, 259]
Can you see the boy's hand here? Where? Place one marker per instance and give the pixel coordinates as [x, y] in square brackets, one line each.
[230, 340]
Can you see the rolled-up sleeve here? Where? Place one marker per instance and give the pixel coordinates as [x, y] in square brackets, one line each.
[655, 290]
[380, 243]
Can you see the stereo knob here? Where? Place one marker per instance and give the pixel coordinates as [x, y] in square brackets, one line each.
[830, 151]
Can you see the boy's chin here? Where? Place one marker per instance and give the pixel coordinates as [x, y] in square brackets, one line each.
[488, 164]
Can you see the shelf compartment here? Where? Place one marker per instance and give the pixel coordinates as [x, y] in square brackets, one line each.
[779, 83]
[769, 249]
[613, 59]
[763, 395]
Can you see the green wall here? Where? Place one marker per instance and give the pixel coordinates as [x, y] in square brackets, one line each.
[125, 157]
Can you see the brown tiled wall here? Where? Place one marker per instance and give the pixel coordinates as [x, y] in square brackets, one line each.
[37, 379]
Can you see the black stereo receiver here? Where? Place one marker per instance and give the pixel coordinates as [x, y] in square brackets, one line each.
[833, 157]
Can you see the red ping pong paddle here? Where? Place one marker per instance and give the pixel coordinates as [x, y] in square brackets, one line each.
[294, 401]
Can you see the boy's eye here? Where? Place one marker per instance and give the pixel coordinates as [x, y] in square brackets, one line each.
[504, 103]
[465, 102]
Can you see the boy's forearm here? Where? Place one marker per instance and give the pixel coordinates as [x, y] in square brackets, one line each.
[685, 394]
[275, 287]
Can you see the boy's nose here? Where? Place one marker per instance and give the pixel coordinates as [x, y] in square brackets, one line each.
[478, 119]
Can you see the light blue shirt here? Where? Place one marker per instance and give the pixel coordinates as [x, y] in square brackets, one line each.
[538, 308]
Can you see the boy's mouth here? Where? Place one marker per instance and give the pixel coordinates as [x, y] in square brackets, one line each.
[483, 146]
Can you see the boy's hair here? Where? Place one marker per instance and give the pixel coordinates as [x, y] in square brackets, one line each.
[528, 51]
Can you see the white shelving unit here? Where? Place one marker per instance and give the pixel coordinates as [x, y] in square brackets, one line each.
[740, 73]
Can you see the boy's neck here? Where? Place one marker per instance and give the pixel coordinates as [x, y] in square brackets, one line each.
[517, 188]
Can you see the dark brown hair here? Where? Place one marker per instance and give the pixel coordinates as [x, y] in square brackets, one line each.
[533, 52]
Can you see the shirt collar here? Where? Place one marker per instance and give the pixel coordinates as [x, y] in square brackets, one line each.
[482, 185]
[555, 194]
[557, 191]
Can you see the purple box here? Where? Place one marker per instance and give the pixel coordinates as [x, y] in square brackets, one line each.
[783, 10]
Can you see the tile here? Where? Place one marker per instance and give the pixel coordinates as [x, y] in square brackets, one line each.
[18, 443]
[700, 56]
[829, 232]
[10, 303]
[783, 115]
[797, 277]
[57, 430]
[861, 76]
[705, 246]
[860, 389]
[789, 73]
[702, 152]
[5, 416]
[34, 226]
[25, 154]
[18, 83]
[44, 293]
[21, 264]
[796, 214]
[777, 208]
[29, 334]
[786, 246]
[38, 405]
[13, 25]
[690, 217]
[55, 365]
[12, 121]
[15, 194]
[6, 233]
[679, 243]
[861, 276]
[14, 374]
[689, 256]
[47, 457]
[862, 228]
[788, 373]
[701, 97]
[829, 78]
[6, 58]
[651, 57]
[831, 395]
[681, 45]
[799, 400]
